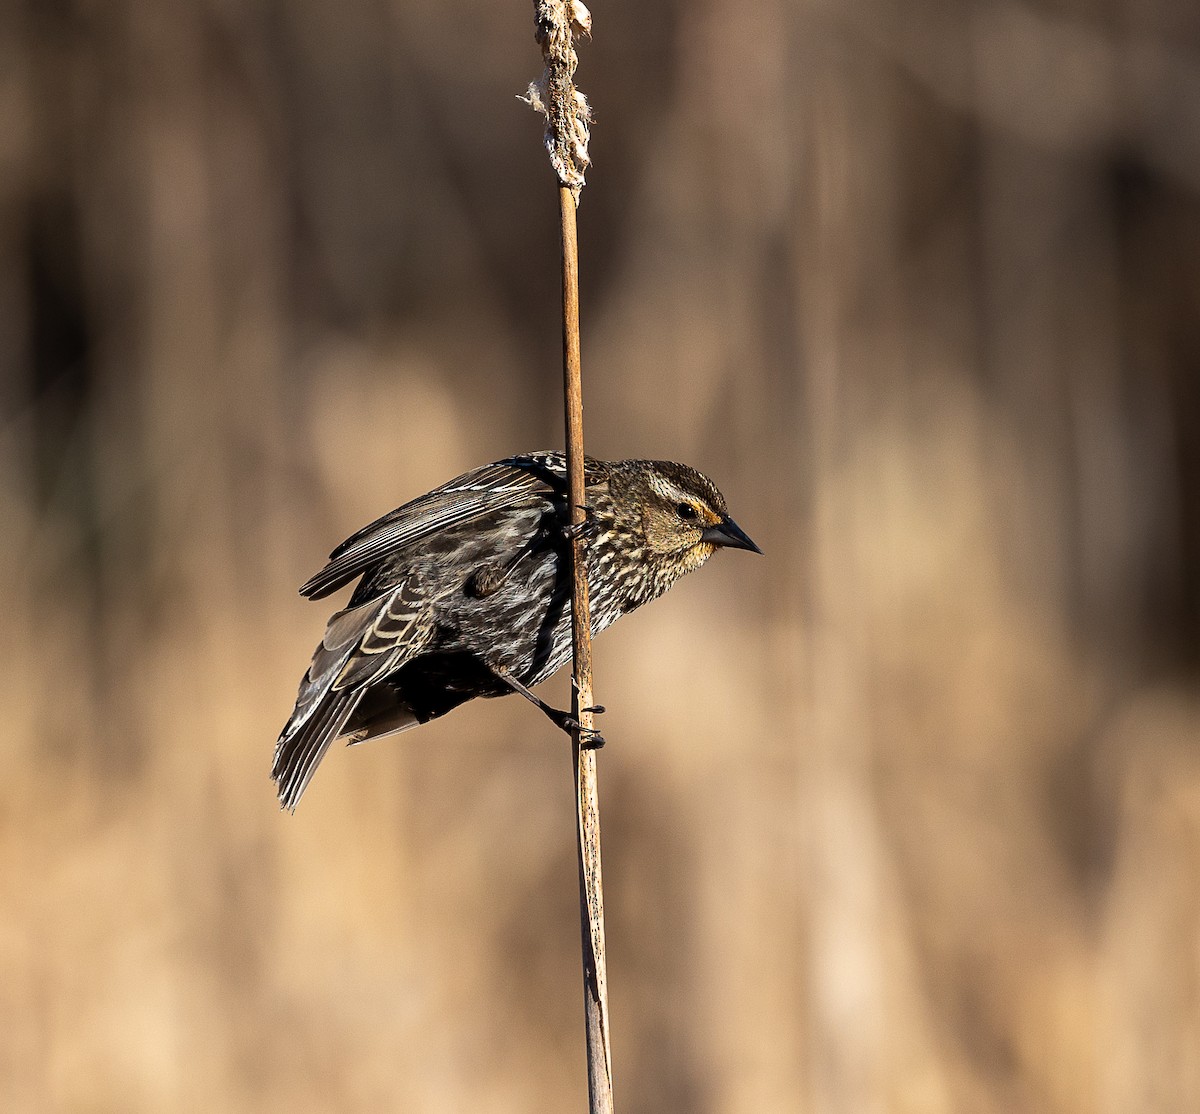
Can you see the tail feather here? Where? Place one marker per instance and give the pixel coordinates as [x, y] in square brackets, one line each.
[298, 754]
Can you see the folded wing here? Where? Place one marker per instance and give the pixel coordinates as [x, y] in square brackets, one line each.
[362, 646]
[469, 497]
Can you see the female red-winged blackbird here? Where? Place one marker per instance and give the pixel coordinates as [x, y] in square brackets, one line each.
[466, 592]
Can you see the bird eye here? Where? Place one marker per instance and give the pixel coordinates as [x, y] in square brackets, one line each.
[687, 512]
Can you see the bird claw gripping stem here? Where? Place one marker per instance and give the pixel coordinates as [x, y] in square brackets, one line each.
[585, 530]
[590, 740]
[589, 737]
[569, 723]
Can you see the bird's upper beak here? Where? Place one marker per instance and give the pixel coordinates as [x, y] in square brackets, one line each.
[728, 534]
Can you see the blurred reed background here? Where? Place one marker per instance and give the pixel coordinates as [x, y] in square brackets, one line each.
[903, 817]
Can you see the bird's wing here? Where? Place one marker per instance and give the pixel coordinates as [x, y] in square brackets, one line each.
[362, 645]
[470, 496]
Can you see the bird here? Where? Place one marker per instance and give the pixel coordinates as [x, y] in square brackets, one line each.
[466, 592]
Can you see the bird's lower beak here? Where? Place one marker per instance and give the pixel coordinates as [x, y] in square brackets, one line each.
[729, 534]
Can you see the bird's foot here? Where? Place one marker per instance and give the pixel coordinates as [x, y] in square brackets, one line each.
[590, 740]
[585, 530]
[568, 722]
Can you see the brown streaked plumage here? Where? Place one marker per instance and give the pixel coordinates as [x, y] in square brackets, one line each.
[466, 592]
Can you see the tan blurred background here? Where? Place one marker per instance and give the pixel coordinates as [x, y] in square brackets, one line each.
[904, 816]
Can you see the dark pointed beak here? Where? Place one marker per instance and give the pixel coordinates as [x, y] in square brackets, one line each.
[729, 534]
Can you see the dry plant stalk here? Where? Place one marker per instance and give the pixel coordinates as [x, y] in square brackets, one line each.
[587, 798]
[567, 120]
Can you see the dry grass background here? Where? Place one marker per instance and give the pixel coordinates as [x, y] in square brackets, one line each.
[903, 817]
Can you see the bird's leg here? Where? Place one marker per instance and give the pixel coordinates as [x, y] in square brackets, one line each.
[588, 739]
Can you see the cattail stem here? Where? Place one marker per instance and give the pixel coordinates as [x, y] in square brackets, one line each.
[568, 119]
[587, 799]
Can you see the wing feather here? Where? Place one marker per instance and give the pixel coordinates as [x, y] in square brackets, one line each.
[462, 500]
[362, 645]
[399, 628]
[342, 635]
[297, 756]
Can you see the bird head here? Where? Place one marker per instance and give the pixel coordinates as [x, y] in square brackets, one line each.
[683, 516]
